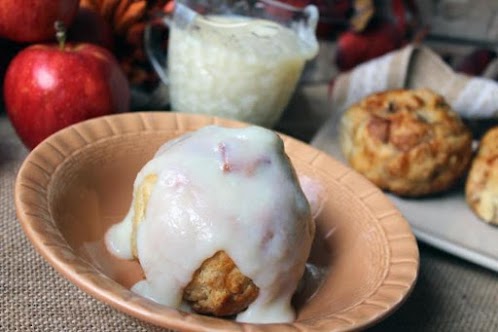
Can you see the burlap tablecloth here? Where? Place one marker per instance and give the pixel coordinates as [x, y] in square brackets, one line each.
[451, 294]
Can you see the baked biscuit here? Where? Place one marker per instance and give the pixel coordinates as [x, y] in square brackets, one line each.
[141, 198]
[409, 142]
[217, 286]
[481, 188]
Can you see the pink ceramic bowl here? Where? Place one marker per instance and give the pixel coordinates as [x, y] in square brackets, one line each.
[78, 182]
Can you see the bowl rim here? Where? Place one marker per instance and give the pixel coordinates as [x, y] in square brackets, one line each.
[33, 212]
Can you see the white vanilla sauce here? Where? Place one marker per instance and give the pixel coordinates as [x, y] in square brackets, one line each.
[235, 67]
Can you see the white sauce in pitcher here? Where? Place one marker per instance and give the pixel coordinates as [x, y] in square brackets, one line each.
[222, 189]
[234, 67]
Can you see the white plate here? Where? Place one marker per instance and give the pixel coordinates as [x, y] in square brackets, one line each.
[444, 221]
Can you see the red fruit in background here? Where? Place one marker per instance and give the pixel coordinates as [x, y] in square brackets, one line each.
[33, 20]
[90, 27]
[355, 48]
[47, 88]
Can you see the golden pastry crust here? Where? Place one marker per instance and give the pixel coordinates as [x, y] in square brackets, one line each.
[409, 142]
[481, 187]
[141, 198]
[219, 288]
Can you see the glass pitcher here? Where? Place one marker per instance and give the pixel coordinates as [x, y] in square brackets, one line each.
[234, 59]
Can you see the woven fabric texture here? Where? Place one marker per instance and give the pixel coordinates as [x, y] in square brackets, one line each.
[450, 295]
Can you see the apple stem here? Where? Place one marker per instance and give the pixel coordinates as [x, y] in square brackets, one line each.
[60, 33]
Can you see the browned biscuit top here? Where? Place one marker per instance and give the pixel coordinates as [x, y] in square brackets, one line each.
[409, 142]
[481, 188]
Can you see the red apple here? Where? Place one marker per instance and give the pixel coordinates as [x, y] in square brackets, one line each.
[47, 88]
[33, 20]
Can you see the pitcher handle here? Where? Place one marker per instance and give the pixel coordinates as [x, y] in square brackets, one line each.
[307, 32]
[153, 50]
